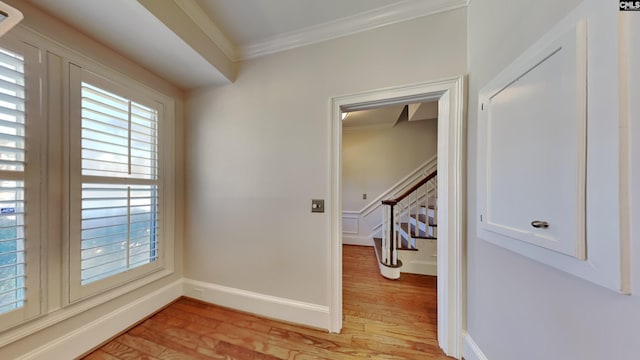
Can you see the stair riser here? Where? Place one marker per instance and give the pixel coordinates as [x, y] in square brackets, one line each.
[430, 230]
[412, 242]
[431, 212]
[423, 261]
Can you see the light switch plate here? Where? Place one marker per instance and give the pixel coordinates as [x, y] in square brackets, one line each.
[317, 206]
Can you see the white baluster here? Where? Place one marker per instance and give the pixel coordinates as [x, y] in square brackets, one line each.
[385, 229]
[435, 197]
[415, 215]
[394, 248]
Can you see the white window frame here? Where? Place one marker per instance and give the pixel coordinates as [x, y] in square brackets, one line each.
[33, 180]
[50, 302]
[125, 87]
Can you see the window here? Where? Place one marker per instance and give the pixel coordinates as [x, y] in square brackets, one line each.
[87, 184]
[115, 184]
[12, 163]
[119, 221]
[19, 182]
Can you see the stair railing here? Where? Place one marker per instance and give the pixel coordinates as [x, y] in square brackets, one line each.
[401, 210]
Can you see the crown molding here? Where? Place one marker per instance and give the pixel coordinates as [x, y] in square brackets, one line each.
[387, 15]
[213, 32]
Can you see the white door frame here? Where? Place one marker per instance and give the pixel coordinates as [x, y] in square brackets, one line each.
[451, 190]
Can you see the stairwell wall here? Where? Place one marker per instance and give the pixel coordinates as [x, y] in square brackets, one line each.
[259, 151]
[373, 160]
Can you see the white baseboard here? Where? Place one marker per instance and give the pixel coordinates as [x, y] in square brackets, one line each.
[89, 336]
[264, 305]
[356, 240]
[471, 349]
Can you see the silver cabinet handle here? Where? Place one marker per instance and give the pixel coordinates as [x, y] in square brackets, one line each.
[539, 224]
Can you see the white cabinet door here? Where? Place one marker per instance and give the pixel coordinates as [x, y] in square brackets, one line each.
[535, 126]
[553, 146]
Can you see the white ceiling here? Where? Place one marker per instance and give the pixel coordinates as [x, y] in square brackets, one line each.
[241, 29]
[388, 116]
[379, 118]
[126, 26]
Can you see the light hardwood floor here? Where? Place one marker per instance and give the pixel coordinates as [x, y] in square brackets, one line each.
[383, 319]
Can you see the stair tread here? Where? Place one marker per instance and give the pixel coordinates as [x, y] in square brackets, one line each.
[421, 234]
[407, 249]
[423, 219]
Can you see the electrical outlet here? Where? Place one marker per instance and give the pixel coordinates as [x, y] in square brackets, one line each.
[364, 196]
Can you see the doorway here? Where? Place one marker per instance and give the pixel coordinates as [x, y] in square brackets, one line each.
[449, 94]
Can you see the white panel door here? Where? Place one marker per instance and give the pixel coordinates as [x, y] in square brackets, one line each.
[535, 149]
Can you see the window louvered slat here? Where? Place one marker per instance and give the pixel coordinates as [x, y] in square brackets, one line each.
[12, 193]
[12, 61]
[11, 72]
[9, 86]
[120, 222]
[11, 99]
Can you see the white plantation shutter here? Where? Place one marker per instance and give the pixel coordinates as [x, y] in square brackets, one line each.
[119, 221]
[12, 164]
[19, 184]
[119, 228]
[118, 187]
[119, 136]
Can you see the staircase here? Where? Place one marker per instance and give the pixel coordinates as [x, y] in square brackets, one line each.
[409, 236]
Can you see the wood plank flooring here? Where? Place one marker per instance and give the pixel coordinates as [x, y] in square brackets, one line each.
[383, 319]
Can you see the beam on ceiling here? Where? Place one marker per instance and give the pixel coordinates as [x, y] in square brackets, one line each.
[182, 24]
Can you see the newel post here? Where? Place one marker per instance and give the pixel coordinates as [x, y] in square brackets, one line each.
[390, 242]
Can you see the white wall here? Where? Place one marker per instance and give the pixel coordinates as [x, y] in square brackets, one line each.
[258, 151]
[373, 160]
[518, 308]
[52, 241]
